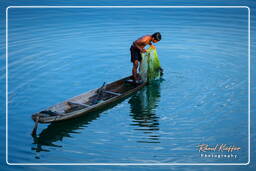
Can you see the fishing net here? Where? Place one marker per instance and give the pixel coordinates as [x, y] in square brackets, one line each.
[150, 65]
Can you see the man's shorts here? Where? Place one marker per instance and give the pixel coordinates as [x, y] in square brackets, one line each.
[135, 54]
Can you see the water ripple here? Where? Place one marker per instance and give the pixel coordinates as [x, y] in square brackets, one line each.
[64, 53]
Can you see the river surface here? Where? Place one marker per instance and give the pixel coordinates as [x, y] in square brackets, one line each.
[55, 54]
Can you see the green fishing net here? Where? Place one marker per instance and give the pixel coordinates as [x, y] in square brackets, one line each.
[150, 65]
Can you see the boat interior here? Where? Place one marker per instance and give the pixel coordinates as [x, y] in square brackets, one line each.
[91, 98]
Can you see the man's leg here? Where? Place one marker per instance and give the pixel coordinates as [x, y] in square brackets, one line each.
[134, 70]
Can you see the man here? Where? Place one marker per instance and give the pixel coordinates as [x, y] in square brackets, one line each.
[138, 47]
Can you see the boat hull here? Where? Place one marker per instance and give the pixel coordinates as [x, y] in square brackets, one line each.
[115, 91]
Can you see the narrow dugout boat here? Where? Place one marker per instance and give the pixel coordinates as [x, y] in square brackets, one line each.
[88, 102]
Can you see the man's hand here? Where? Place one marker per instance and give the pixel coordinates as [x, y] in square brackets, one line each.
[152, 46]
[143, 50]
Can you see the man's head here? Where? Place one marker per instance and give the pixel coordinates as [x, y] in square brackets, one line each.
[156, 37]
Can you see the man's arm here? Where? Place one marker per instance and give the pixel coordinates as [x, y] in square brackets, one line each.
[143, 40]
[137, 46]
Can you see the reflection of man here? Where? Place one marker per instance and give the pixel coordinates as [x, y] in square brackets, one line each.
[142, 107]
[138, 47]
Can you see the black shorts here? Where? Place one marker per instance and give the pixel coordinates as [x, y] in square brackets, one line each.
[135, 54]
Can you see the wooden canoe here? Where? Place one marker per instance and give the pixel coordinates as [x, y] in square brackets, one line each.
[89, 101]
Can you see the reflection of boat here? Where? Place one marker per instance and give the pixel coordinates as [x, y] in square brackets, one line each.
[143, 105]
[57, 131]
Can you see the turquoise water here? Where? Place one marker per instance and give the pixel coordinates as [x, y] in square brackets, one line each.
[55, 54]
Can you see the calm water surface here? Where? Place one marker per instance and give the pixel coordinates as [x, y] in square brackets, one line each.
[55, 54]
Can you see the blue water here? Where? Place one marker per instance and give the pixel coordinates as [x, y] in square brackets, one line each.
[55, 54]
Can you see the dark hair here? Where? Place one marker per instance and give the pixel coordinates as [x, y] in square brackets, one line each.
[157, 36]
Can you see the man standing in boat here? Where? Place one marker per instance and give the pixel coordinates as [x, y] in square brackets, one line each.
[138, 47]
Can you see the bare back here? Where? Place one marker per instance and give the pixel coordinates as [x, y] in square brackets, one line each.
[143, 41]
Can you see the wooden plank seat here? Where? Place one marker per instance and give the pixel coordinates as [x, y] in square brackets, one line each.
[49, 112]
[130, 81]
[111, 92]
[77, 104]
